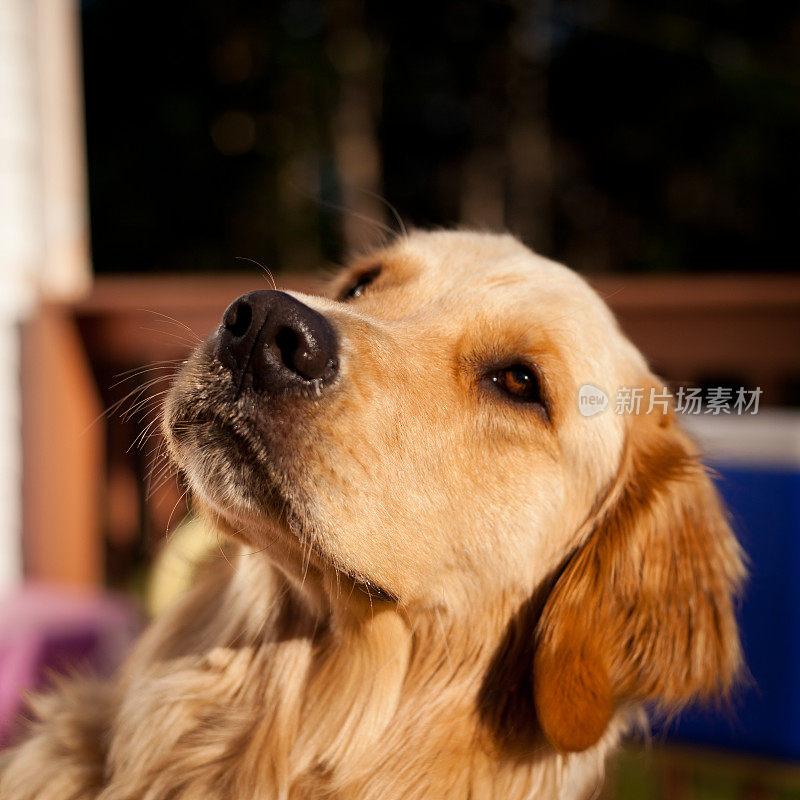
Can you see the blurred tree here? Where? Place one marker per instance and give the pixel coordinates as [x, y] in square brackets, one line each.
[611, 135]
[676, 128]
[209, 127]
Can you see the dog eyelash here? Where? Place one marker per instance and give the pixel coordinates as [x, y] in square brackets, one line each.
[357, 288]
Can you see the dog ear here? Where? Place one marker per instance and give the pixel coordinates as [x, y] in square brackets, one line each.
[644, 609]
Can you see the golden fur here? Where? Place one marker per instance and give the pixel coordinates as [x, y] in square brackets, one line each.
[446, 594]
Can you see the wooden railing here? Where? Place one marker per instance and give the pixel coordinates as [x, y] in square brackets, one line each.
[85, 510]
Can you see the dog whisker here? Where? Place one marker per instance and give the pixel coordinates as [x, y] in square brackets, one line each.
[135, 372]
[197, 339]
[380, 198]
[192, 342]
[267, 272]
[174, 509]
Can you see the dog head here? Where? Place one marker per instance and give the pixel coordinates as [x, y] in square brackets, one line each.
[419, 436]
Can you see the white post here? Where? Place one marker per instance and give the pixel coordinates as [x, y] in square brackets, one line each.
[43, 216]
[65, 268]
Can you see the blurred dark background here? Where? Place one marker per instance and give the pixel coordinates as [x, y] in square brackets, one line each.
[612, 135]
[651, 145]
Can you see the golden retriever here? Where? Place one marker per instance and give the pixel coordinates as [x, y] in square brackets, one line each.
[458, 585]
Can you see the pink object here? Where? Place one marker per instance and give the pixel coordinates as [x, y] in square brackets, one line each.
[45, 629]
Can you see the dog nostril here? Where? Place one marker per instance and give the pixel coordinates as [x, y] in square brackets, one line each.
[238, 318]
[287, 341]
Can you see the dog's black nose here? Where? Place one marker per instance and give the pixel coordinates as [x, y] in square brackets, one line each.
[275, 342]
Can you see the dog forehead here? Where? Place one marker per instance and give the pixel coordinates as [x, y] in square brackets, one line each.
[497, 276]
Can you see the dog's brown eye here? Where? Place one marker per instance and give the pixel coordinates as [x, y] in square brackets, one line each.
[518, 382]
[357, 289]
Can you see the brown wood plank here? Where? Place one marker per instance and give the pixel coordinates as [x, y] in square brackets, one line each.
[690, 328]
[63, 461]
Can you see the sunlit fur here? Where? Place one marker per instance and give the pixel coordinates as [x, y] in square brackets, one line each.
[551, 572]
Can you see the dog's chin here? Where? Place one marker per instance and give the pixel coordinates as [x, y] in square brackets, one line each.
[236, 453]
[270, 524]
[226, 467]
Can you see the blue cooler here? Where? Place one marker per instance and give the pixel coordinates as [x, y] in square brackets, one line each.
[758, 461]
